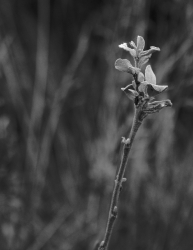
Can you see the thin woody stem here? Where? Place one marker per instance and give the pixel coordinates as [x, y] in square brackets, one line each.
[138, 118]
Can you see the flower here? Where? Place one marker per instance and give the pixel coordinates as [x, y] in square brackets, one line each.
[140, 55]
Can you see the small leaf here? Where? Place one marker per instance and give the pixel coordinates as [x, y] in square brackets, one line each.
[156, 106]
[133, 45]
[149, 75]
[154, 48]
[140, 43]
[144, 59]
[140, 77]
[132, 52]
[123, 65]
[150, 51]
[163, 103]
[130, 92]
[135, 93]
[125, 47]
[167, 103]
[143, 87]
[134, 85]
[154, 90]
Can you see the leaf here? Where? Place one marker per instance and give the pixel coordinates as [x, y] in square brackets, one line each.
[154, 90]
[143, 87]
[140, 77]
[125, 47]
[130, 92]
[149, 75]
[133, 45]
[163, 103]
[125, 66]
[150, 51]
[134, 85]
[156, 106]
[140, 43]
[144, 59]
[132, 52]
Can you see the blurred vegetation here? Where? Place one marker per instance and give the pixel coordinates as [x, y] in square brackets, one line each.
[62, 115]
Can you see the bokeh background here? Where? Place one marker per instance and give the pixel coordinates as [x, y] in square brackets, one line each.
[62, 116]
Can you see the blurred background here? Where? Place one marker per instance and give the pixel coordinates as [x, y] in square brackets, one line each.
[62, 116]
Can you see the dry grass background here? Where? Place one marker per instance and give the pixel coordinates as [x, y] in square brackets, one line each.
[62, 115]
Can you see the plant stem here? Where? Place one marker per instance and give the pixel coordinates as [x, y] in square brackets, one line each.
[137, 120]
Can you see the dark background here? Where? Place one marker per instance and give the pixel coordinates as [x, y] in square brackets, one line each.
[62, 116]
